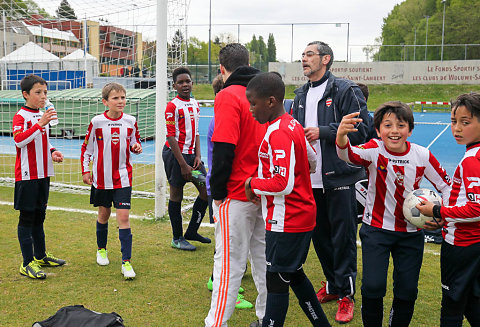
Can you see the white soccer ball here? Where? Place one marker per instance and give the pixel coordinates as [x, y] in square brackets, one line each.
[411, 213]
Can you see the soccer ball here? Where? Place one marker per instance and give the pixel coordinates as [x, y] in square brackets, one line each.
[411, 213]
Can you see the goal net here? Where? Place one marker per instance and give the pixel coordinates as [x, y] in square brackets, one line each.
[78, 46]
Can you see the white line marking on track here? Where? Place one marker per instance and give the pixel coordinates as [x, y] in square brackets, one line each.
[436, 138]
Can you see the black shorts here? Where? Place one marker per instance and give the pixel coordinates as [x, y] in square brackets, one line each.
[286, 252]
[406, 249]
[173, 170]
[31, 195]
[460, 266]
[120, 197]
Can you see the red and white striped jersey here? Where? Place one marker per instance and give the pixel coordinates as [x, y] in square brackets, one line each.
[463, 210]
[109, 142]
[283, 180]
[181, 118]
[391, 177]
[34, 160]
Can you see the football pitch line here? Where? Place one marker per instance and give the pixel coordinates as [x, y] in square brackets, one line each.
[94, 212]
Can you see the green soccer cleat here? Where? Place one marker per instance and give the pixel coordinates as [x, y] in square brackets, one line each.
[33, 271]
[210, 286]
[50, 261]
[127, 270]
[242, 303]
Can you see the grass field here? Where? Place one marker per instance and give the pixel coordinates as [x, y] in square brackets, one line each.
[170, 286]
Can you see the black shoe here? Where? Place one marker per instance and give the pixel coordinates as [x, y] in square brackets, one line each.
[197, 237]
[182, 244]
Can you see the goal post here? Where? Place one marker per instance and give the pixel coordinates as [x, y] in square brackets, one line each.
[161, 100]
[137, 44]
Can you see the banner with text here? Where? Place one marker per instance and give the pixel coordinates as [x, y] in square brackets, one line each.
[391, 72]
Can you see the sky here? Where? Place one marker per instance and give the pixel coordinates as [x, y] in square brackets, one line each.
[355, 23]
[364, 18]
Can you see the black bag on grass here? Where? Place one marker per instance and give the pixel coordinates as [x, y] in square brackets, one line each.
[78, 316]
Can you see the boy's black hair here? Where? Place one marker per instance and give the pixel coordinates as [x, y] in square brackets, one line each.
[324, 49]
[265, 85]
[27, 83]
[217, 84]
[179, 71]
[471, 101]
[364, 89]
[400, 109]
[232, 56]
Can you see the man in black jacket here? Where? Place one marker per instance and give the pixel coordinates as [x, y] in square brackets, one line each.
[319, 106]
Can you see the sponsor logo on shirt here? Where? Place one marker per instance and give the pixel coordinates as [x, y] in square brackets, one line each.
[473, 197]
[292, 124]
[16, 128]
[382, 168]
[169, 115]
[170, 122]
[282, 171]
[115, 138]
[475, 181]
[124, 203]
[399, 161]
[447, 178]
[263, 155]
[115, 124]
[279, 154]
[271, 221]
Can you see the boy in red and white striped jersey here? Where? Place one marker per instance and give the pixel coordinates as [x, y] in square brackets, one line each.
[110, 138]
[181, 155]
[288, 206]
[460, 254]
[395, 167]
[33, 168]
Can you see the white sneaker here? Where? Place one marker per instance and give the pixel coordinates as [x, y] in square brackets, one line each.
[102, 258]
[127, 270]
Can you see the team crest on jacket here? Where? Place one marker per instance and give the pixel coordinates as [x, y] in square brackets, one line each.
[329, 102]
[115, 138]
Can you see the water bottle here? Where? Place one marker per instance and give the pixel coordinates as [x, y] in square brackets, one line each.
[49, 105]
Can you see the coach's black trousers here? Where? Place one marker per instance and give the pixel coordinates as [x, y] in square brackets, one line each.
[335, 236]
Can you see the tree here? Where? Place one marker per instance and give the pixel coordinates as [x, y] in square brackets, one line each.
[16, 9]
[271, 49]
[262, 49]
[407, 24]
[197, 53]
[65, 11]
[254, 44]
[176, 47]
